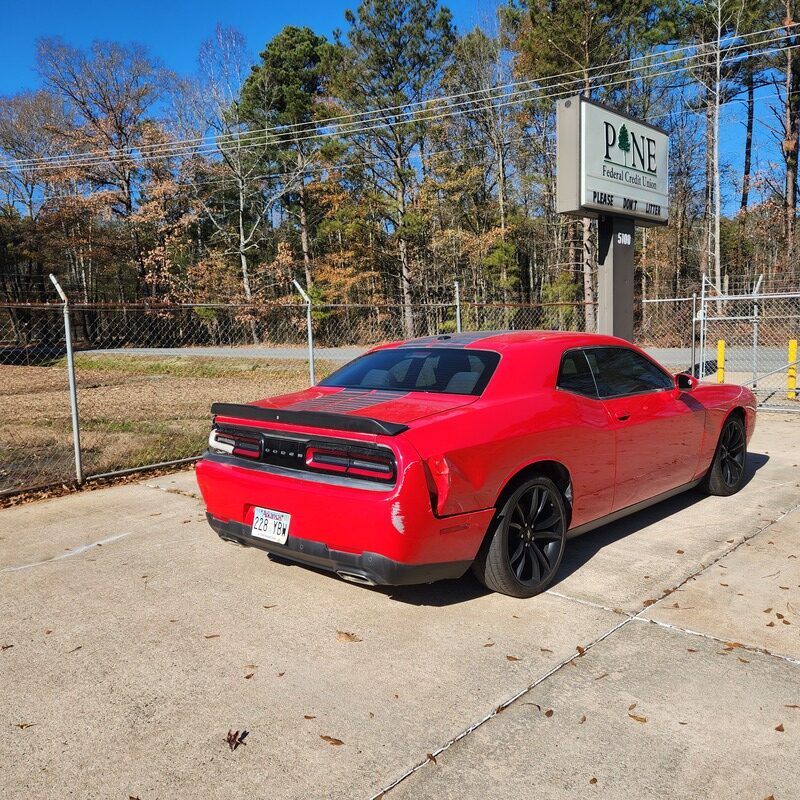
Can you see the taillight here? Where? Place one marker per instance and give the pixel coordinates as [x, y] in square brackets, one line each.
[235, 443]
[355, 461]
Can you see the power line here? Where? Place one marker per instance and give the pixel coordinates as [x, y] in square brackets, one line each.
[182, 147]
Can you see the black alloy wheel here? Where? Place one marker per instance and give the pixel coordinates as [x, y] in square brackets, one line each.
[732, 453]
[727, 472]
[534, 535]
[525, 543]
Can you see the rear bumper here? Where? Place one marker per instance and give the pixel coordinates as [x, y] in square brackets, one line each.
[366, 567]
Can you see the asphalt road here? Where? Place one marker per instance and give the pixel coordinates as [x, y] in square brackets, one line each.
[738, 359]
[664, 662]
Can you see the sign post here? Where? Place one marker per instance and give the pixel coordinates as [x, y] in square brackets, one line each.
[613, 168]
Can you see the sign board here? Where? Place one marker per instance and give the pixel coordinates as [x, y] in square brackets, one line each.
[610, 164]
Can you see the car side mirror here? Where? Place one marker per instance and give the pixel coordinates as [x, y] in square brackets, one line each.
[684, 382]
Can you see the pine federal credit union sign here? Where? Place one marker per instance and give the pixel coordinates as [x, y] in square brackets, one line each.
[610, 164]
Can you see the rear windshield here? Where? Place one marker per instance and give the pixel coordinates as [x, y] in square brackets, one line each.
[424, 369]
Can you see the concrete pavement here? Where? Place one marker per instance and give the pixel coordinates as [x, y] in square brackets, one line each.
[133, 640]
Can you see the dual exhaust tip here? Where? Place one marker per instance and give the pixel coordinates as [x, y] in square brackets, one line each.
[354, 577]
[351, 577]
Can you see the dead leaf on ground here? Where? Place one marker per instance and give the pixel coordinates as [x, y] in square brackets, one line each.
[631, 706]
[249, 675]
[431, 757]
[593, 781]
[345, 636]
[779, 728]
[582, 719]
[637, 718]
[309, 716]
[489, 644]
[212, 636]
[679, 552]
[581, 650]
[281, 674]
[512, 658]
[649, 602]
[791, 705]
[7, 646]
[690, 650]
[743, 660]
[600, 677]
[549, 712]
[271, 606]
[545, 650]
[250, 666]
[331, 740]
[771, 624]
[23, 725]
[768, 610]
[235, 738]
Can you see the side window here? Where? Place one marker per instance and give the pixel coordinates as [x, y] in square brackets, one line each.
[575, 375]
[619, 371]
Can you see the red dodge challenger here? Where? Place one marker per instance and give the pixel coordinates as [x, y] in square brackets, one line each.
[487, 450]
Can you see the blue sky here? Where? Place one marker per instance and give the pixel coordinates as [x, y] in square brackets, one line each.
[172, 29]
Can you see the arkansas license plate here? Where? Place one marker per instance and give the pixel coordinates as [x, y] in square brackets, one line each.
[270, 525]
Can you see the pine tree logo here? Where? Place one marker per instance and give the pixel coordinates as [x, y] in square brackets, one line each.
[624, 142]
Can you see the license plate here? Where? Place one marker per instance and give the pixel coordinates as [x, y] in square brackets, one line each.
[270, 525]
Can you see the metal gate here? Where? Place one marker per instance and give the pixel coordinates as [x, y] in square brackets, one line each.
[751, 338]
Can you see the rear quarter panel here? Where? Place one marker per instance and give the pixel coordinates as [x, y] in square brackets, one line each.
[488, 443]
[719, 401]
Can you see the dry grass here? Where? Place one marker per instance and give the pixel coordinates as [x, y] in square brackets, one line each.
[134, 411]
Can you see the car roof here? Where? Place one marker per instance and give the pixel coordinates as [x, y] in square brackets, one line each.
[502, 340]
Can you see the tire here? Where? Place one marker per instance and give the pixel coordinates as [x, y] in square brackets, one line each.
[726, 474]
[525, 541]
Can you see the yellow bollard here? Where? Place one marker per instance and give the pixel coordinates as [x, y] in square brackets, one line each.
[721, 361]
[791, 375]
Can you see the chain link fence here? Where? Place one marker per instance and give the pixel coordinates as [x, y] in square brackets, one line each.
[751, 339]
[146, 376]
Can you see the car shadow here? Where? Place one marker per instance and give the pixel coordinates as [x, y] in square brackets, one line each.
[578, 551]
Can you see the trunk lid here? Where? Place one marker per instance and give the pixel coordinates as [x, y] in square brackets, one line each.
[388, 406]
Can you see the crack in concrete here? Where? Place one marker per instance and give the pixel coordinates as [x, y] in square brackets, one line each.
[72, 552]
[181, 492]
[637, 617]
[749, 648]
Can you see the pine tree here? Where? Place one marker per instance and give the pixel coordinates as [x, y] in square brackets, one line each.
[624, 142]
[395, 53]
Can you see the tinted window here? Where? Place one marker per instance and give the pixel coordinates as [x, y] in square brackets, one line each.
[425, 369]
[575, 375]
[619, 371]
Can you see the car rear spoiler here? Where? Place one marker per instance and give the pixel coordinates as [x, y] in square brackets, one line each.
[311, 419]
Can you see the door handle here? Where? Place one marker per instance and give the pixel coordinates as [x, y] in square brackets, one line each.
[623, 415]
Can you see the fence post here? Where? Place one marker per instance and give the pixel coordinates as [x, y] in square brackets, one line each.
[694, 325]
[791, 375]
[458, 306]
[721, 361]
[701, 372]
[310, 330]
[755, 328]
[73, 392]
